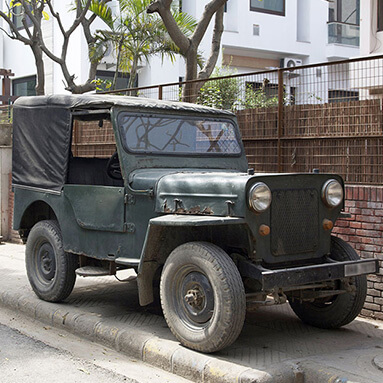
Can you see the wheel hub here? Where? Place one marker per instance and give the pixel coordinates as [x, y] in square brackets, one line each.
[197, 297]
[194, 297]
[46, 262]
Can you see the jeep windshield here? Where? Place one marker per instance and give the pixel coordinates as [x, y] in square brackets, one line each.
[159, 134]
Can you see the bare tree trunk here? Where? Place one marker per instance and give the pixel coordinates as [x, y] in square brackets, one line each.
[40, 81]
[189, 46]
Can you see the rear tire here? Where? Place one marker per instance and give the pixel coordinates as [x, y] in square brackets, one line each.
[340, 309]
[50, 270]
[202, 297]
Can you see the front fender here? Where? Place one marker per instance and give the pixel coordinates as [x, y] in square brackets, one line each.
[164, 234]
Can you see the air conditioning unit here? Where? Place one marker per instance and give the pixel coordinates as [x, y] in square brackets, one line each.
[289, 62]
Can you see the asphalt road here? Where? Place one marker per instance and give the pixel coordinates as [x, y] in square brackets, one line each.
[31, 352]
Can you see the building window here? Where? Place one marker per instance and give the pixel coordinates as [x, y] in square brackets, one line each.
[17, 17]
[342, 96]
[380, 15]
[25, 86]
[106, 78]
[275, 7]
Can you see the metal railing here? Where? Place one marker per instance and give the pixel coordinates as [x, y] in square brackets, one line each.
[326, 116]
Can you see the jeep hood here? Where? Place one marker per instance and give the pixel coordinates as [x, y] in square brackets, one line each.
[219, 193]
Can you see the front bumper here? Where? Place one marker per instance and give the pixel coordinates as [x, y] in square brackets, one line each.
[298, 276]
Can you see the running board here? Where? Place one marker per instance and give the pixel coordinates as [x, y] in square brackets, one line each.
[131, 262]
[92, 271]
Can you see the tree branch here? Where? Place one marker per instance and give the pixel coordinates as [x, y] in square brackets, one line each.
[14, 30]
[205, 19]
[215, 46]
[162, 7]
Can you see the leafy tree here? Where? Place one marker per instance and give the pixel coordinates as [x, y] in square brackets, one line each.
[188, 46]
[223, 93]
[32, 13]
[135, 36]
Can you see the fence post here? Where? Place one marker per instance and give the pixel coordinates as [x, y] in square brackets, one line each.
[160, 89]
[280, 118]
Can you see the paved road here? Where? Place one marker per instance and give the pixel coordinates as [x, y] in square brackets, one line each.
[31, 352]
[272, 336]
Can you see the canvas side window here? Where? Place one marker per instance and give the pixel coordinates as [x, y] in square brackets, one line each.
[93, 144]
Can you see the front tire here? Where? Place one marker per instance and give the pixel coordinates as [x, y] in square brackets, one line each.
[50, 270]
[339, 310]
[202, 297]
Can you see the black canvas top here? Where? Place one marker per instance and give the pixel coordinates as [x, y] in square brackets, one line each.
[42, 132]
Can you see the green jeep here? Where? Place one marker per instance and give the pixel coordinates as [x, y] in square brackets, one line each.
[177, 203]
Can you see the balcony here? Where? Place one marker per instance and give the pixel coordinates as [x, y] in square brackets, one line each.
[343, 33]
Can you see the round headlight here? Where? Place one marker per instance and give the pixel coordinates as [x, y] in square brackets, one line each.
[259, 197]
[332, 193]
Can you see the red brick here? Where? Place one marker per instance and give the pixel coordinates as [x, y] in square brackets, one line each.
[367, 313]
[373, 194]
[342, 223]
[379, 213]
[369, 299]
[375, 278]
[378, 241]
[361, 193]
[345, 230]
[378, 227]
[372, 248]
[374, 205]
[366, 254]
[367, 212]
[360, 203]
[372, 306]
[366, 218]
[367, 233]
[378, 301]
[379, 194]
[348, 193]
[348, 203]
[368, 226]
[374, 293]
[356, 225]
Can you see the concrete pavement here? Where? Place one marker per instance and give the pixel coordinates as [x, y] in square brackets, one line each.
[274, 345]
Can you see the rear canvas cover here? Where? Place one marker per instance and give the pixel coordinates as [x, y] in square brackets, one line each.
[41, 140]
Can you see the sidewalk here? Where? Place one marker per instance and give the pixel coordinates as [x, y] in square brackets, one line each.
[274, 345]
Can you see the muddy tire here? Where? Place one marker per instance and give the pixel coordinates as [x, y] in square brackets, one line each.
[338, 310]
[202, 297]
[50, 270]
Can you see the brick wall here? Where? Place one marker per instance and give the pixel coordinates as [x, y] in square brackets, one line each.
[364, 231]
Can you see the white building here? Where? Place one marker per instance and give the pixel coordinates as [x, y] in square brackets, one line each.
[258, 35]
[369, 78]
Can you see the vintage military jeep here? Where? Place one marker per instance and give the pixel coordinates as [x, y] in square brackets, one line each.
[177, 203]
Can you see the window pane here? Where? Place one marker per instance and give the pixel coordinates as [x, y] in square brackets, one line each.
[167, 135]
[380, 15]
[24, 86]
[268, 6]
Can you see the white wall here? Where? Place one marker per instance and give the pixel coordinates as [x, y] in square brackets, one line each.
[280, 36]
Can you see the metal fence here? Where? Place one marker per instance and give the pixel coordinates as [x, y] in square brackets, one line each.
[326, 116]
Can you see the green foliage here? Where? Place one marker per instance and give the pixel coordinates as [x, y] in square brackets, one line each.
[257, 99]
[135, 35]
[221, 93]
[102, 85]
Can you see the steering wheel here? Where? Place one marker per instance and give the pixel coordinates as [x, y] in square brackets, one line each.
[113, 168]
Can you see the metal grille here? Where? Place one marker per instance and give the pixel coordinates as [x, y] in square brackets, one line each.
[294, 221]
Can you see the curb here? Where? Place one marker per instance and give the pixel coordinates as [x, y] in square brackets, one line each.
[161, 353]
